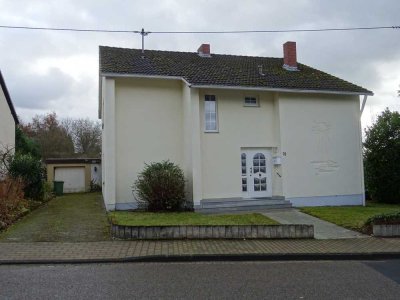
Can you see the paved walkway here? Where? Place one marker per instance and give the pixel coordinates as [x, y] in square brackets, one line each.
[322, 229]
[191, 249]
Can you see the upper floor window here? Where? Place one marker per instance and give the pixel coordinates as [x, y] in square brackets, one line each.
[210, 113]
[250, 101]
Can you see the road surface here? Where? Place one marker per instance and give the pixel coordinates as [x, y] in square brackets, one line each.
[204, 280]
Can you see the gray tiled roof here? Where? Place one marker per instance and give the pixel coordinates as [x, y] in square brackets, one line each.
[226, 70]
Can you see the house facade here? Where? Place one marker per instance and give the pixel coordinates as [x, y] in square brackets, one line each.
[8, 118]
[242, 128]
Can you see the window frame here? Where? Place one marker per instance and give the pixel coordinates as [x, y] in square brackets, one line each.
[216, 130]
[257, 104]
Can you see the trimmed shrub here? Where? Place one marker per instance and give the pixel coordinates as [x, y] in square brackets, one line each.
[31, 171]
[161, 187]
[382, 219]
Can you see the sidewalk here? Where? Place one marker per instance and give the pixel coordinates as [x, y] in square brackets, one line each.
[322, 229]
[184, 250]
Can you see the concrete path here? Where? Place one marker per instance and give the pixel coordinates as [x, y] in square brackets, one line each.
[322, 229]
[181, 250]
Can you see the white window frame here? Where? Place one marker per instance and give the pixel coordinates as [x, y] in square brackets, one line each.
[216, 114]
[257, 104]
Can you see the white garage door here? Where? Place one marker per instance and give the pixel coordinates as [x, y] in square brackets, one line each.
[73, 177]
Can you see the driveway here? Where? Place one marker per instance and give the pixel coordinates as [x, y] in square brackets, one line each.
[69, 218]
[322, 229]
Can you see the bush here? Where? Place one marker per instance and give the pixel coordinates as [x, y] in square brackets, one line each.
[382, 158]
[94, 186]
[161, 187]
[31, 171]
[390, 218]
[48, 193]
[12, 203]
[381, 219]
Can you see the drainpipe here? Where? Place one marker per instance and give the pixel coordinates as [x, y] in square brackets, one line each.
[362, 161]
[363, 104]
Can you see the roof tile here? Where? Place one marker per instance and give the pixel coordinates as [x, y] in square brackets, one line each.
[219, 69]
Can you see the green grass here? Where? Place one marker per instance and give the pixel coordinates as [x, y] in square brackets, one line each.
[186, 218]
[352, 217]
[69, 218]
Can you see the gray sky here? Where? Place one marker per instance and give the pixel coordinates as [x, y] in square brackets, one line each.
[58, 71]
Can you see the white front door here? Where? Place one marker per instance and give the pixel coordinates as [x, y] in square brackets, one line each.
[256, 173]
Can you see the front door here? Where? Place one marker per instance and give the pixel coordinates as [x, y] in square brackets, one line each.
[256, 173]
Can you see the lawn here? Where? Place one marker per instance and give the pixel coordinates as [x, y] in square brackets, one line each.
[352, 217]
[186, 218]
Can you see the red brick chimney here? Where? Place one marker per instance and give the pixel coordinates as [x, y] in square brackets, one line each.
[204, 50]
[289, 56]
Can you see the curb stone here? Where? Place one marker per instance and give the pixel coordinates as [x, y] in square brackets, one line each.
[213, 257]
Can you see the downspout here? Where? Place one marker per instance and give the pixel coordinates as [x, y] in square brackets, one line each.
[362, 159]
[363, 104]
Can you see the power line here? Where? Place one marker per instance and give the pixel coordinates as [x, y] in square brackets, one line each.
[285, 30]
[198, 32]
[68, 29]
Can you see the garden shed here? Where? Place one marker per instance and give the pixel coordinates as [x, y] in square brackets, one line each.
[78, 174]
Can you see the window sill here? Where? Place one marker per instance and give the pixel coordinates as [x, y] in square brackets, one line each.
[211, 131]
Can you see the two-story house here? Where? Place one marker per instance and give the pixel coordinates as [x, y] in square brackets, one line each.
[247, 131]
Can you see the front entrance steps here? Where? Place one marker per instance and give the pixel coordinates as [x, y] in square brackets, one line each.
[230, 205]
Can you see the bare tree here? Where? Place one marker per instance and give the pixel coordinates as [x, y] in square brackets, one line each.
[86, 135]
[53, 138]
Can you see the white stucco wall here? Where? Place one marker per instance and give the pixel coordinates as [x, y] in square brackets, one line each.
[108, 143]
[239, 127]
[149, 128]
[7, 124]
[321, 137]
[150, 120]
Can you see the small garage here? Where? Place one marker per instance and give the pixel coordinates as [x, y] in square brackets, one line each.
[78, 174]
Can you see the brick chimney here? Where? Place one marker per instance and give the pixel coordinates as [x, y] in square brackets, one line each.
[289, 56]
[204, 50]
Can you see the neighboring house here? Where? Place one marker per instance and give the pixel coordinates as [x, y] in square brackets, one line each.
[242, 128]
[8, 118]
[78, 174]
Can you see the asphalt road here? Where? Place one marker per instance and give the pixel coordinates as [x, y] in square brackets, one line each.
[230, 280]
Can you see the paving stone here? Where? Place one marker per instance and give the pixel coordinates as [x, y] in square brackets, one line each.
[47, 251]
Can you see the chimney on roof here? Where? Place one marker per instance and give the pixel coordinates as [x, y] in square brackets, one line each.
[290, 56]
[204, 50]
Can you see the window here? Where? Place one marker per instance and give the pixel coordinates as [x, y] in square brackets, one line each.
[210, 114]
[250, 101]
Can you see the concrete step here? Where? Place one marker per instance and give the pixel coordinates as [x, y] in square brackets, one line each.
[243, 208]
[232, 205]
[250, 202]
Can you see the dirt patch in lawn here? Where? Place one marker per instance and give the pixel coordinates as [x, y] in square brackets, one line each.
[69, 218]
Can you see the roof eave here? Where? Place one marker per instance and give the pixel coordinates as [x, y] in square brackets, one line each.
[8, 99]
[106, 74]
[286, 90]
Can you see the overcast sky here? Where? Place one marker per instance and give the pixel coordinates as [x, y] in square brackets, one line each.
[58, 71]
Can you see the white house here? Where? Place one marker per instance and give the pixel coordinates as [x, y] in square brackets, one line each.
[8, 118]
[247, 131]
